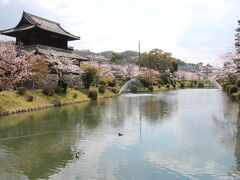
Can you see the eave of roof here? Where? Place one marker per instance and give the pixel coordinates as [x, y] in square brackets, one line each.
[45, 24]
[49, 25]
[18, 29]
[62, 54]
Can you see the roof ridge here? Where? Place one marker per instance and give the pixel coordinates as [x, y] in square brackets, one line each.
[42, 18]
[43, 24]
[68, 31]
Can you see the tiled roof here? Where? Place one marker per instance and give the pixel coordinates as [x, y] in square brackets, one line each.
[45, 24]
[46, 50]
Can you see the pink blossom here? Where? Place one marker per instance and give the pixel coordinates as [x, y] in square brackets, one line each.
[14, 68]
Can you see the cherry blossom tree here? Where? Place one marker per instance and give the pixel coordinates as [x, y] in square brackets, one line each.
[62, 65]
[231, 66]
[14, 67]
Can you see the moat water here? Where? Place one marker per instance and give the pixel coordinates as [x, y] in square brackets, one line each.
[182, 134]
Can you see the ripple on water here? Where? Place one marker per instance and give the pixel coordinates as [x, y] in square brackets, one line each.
[172, 135]
[189, 166]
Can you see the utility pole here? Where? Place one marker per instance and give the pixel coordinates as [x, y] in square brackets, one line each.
[140, 120]
[139, 55]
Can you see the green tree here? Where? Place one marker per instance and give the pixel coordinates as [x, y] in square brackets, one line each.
[116, 58]
[62, 86]
[93, 94]
[159, 60]
[89, 76]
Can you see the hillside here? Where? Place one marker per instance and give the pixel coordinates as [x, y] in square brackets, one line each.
[106, 55]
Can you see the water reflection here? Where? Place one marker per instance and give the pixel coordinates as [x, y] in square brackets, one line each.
[39, 143]
[237, 147]
[186, 134]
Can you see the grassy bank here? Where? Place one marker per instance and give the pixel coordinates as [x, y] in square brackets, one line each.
[178, 85]
[12, 102]
[232, 89]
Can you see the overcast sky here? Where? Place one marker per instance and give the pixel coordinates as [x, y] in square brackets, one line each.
[193, 30]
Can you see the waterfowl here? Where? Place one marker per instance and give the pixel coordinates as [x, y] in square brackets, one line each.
[77, 155]
[120, 134]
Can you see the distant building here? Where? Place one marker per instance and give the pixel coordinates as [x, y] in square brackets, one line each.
[188, 68]
[194, 71]
[43, 37]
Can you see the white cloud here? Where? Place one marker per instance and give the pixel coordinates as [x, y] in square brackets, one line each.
[186, 166]
[187, 28]
[4, 1]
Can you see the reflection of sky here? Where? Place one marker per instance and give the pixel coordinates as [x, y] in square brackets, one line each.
[180, 134]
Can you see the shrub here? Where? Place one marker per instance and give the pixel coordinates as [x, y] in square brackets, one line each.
[58, 90]
[114, 90]
[171, 81]
[75, 95]
[182, 85]
[174, 82]
[21, 91]
[191, 84]
[200, 85]
[237, 82]
[232, 89]
[146, 81]
[101, 89]
[112, 83]
[150, 88]
[168, 86]
[159, 86]
[174, 85]
[133, 89]
[236, 96]
[89, 76]
[93, 94]
[62, 86]
[103, 80]
[48, 91]
[224, 86]
[227, 87]
[165, 78]
[29, 98]
[160, 82]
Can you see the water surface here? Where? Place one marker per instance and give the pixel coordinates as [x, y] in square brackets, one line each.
[182, 134]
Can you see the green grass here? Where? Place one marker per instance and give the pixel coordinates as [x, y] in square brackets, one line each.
[10, 100]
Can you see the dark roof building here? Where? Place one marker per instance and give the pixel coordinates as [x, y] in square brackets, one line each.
[43, 36]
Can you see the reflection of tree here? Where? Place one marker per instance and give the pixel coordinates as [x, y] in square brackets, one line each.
[41, 142]
[227, 128]
[37, 157]
[225, 121]
[237, 147]
[92, 112]
[38, 144]
[155, 111]
[118, 110]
